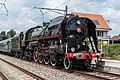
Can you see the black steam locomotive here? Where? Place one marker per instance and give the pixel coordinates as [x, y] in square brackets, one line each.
[65, 41]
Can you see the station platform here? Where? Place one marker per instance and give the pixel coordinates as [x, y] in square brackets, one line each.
[112, 66]
[112, 63]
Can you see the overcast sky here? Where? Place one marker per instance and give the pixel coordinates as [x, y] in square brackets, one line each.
[22, 15]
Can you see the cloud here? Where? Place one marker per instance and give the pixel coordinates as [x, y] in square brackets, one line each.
[109, 9]
[113, 16]
[16, 24]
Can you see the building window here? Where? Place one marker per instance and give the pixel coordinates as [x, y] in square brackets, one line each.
[100, 33]
[96, 22]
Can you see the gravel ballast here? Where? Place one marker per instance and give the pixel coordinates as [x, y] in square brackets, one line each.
[12, 73]
[41, 70]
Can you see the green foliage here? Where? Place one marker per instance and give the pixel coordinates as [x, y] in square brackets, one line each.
[46, 24]
[112, 50]
[99, 44]
[11, 33]
[4, 37]
[3, 33]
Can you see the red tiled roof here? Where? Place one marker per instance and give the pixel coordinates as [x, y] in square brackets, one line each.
[116, 37]
[99, 18]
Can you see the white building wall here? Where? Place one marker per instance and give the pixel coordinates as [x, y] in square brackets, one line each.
[102, 34]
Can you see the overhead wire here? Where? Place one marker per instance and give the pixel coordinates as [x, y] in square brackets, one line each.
[100, 7]
[29, 12]
[38, 5]
[63, 4]
[47, 20]
[53, 8]
[81, 3]
[3, 5]
[32, 9]
[49, 11]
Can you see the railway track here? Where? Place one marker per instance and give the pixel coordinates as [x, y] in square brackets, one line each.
[2, 76]
[36, 77]
[93, 73]
[100, 74]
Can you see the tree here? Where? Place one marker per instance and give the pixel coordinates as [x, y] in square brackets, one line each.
[46, 24]
[3, 33]
[4, 37]
[11, 33]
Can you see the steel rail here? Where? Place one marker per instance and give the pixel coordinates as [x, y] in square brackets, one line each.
[3, 76]
[36, 77]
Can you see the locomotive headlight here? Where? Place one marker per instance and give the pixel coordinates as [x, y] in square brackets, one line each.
[73, 49]
[78, 22]
[79, 30]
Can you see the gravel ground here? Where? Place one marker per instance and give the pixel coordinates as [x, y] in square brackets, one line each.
[41, 70]
[12, 73]
[1, 78]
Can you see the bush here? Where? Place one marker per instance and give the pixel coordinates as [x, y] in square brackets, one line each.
[112, 50]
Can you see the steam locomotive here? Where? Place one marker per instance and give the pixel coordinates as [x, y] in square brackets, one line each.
[66, 41]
